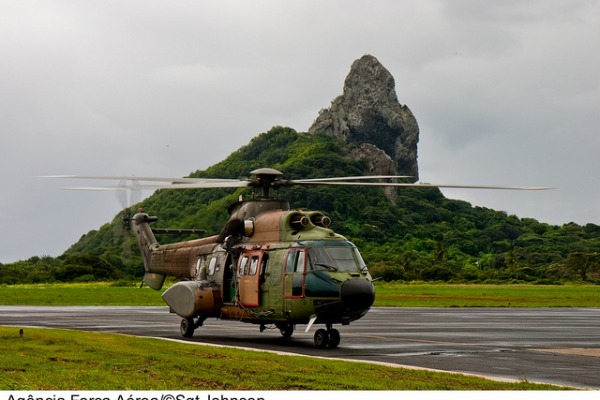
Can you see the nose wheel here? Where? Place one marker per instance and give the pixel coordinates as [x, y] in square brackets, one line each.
[327, 338]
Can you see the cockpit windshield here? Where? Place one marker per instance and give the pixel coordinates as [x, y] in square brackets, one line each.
[335, 258]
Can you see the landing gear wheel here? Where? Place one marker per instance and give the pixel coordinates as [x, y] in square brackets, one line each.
[334, 338]
[286, 330]
[187, 327]
[321, 338]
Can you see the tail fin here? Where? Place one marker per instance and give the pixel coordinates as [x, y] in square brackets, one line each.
[147, 243]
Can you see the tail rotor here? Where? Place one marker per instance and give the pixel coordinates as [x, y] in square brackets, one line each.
[127, 196]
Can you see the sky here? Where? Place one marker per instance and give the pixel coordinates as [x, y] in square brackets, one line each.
[504, 92]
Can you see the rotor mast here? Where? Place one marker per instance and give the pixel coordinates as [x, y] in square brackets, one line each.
[266, 179]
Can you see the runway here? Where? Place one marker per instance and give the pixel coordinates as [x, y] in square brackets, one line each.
[550, 345]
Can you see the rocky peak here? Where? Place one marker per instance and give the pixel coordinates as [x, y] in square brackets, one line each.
[369, 115]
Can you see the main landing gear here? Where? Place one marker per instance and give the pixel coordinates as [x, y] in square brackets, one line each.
[323, 337]
[327, 338]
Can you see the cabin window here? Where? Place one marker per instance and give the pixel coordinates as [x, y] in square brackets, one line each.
[198, 266]
[243, 265]
[212, 266]
[253, 266]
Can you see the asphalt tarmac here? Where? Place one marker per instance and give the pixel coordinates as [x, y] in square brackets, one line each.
[550, 345]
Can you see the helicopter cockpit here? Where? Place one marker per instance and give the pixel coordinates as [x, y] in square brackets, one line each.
[331, 256]
[328, 271]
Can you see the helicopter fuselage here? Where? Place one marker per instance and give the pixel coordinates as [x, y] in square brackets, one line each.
[269, 266]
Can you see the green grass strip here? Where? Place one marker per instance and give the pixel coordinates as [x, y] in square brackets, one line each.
[52, 359]
[79, 294]
[392, 294]
[396, 294]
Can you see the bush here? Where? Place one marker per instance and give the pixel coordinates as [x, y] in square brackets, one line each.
[84, 278]
[386, 271]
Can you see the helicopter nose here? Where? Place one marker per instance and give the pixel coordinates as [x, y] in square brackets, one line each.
[358, 294]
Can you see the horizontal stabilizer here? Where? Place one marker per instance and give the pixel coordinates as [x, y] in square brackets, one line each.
[155, 281]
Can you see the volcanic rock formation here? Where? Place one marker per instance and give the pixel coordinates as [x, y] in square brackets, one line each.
[369, 115]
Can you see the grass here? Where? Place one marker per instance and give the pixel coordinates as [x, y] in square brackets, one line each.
[45, 359]
[79, 294]
[391, 294]
[480, 295]
[51, 359]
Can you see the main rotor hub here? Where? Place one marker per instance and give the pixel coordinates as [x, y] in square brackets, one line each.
[266, 178]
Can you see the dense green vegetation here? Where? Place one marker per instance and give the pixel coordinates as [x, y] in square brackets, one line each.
[50, 359]
[421, 235]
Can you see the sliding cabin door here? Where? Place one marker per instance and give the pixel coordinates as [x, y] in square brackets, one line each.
[249, 271]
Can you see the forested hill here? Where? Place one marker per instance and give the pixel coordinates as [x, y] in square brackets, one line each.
[419, 235]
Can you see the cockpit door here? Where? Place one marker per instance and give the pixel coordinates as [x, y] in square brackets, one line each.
[249, 273]
[294, 273]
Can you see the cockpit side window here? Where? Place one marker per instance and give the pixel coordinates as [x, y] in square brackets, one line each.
[290, 263]
[264, 266]
[361, 263]
[295, 261]
[294, 272]
[299, 267]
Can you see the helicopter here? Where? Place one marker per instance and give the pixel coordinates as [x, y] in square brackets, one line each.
[270, 265]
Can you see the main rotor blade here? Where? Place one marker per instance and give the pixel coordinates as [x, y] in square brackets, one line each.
[425, 185]
[205, 183]
[192, 185]
[349, 178]
[140, 178]
[98, 188]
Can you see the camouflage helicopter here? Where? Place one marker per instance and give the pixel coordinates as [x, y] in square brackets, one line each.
[270, 265]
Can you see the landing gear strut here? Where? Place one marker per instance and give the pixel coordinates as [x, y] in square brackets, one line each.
[189, 325]
[327, 338]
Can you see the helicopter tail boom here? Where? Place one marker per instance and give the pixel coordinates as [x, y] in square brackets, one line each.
[147, 243]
